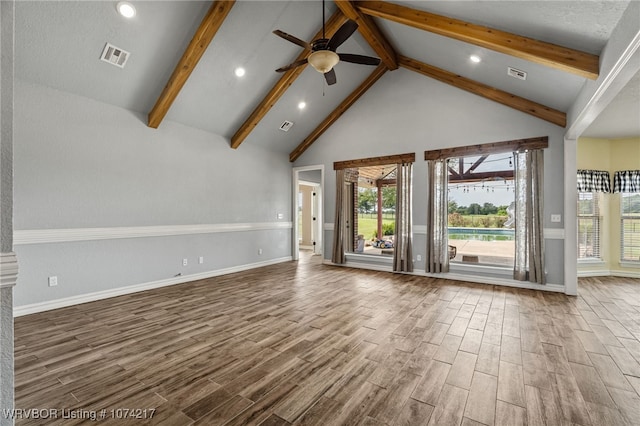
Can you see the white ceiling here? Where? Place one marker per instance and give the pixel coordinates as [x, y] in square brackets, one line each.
[621, 118]
[58, 44]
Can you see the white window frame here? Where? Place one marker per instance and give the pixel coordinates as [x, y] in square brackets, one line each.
[595, 217]
[634, 220]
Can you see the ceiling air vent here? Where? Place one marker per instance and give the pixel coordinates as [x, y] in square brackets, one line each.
[286, 125]
[516, 73]
[114, 55]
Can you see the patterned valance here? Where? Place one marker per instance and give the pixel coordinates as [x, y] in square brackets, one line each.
[626, 181]
[593, 181]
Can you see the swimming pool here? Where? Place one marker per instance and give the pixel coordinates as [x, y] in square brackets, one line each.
[481, 234]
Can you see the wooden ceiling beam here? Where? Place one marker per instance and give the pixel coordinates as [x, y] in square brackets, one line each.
[335, 21]
[516, 102]
[333, 117]
[371, 33]
[204, 34]
[559, 57]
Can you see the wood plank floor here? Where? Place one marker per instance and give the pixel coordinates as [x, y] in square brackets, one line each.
[306, 343]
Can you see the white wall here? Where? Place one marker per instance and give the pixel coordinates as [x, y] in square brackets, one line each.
[81, 165]
[407, 112]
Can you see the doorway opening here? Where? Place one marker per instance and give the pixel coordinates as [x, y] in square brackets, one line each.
[308, 182]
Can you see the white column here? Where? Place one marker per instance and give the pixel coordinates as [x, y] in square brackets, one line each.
[570, 218]
[8, 262]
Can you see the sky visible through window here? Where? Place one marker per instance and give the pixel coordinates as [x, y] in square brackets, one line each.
[498, 191]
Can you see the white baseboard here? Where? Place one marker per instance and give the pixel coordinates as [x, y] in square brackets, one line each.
[594, 273]
[91, 297]
[609, 273]
[625, 273]
[360, 265]
[556, 288]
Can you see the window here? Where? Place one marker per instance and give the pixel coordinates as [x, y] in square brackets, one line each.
[589, 225]
[480, 209]
[375, 208]
[630, 227]
[373, 197]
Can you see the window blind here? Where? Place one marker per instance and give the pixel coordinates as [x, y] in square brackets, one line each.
[589, 225]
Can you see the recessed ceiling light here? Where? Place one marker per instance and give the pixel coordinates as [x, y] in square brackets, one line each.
[239, 72]
[301, 105]
[475, 58]
[126, 9]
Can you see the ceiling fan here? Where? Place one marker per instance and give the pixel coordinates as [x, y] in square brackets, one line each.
[323, 55]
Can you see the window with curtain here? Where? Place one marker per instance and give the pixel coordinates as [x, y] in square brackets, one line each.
[590, 184]
[627, 183]
[374, 206]
[589, 225]
[527, 213]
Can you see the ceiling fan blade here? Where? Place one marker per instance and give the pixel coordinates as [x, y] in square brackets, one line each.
[359, 59]
[292, 39]
[330, 76]
[291, 66]
[342, 34]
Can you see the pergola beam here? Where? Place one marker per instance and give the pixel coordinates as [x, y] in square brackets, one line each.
[333, 117]
[483, 176]
[516, 102]
[371, 33]
[548, 54]
[204, 34]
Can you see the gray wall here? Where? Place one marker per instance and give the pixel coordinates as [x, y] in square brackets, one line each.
[407, 112]
[314, 176]
[80, 163]
[6, 202]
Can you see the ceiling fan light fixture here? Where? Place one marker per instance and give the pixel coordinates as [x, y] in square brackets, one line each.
[323, 60]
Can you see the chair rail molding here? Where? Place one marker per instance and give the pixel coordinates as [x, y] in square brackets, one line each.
[8, 269]
[43, 236]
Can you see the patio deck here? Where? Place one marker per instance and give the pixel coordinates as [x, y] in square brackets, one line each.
[488, 252]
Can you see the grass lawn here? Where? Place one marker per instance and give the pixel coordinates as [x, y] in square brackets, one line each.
[368, 224]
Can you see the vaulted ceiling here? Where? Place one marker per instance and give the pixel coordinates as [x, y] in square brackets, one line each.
[557, 43]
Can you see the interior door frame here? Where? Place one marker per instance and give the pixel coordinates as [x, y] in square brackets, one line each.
[319, 207]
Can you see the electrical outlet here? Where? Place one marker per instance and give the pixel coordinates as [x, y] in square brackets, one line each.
[185, 262]
[201, 260]
[418, 257]
[259, 251]
[556, 218]
[280, 216]
[53, 281]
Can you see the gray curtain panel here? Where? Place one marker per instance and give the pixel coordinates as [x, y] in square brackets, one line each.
[529, 239]
[403, 253]
[437, 257]
[338, 228]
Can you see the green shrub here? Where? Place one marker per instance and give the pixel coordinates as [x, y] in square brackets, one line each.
[388, 228]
